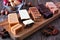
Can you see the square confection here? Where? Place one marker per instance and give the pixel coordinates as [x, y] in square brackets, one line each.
[27, 22]
[53, 8]
[24, 14]
[12, 19]
[50, 4]
[45, 11]
[35, 13]
[16, 29]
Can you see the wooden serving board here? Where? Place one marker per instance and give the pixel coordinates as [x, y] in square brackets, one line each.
[28, 31]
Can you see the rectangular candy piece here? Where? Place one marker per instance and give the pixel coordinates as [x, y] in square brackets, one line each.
[58, 5]
[12, 19]
[53, 8]
[16, 29]
[28, 22]
[44, 11]
[35, 13]
[24, 14]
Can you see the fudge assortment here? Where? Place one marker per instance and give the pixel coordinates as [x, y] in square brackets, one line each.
[28, 14]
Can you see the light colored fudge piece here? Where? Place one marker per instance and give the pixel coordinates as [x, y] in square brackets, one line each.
[12, 19]
[16, 29]
[27, 22]
[24, 14]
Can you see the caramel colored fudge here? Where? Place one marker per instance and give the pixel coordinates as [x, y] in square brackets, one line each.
[16, 29]
[12, 19]
[35, 13]
[53, 8]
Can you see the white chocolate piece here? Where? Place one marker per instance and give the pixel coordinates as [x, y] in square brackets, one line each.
[27, 22]
[24, 14]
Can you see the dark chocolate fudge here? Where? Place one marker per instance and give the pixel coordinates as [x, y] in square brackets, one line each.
[44, 11]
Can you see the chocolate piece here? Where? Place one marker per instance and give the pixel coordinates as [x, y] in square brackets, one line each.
[49, 30]
[16, 29]
[44, 11]
[28, 22]
[25, 17]
[12, 19]
[53, 8]
[24, 14]
[35, 13]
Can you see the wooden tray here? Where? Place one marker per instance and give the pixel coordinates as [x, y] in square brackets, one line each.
[28, 31]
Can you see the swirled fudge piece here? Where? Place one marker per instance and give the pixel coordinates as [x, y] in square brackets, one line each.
[35, 13]
[44, 11]
[53, 8]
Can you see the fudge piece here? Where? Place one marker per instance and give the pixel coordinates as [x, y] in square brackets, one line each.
[12, 19]
[24, 14]
[16, 29]
[35, 13]
[44, 11]
[53, 8]
[28, 22]
[58, 4]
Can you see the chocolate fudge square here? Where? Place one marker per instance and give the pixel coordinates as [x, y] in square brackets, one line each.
[44, 11]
